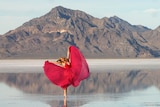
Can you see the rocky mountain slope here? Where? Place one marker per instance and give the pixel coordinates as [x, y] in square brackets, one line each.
[49, 36]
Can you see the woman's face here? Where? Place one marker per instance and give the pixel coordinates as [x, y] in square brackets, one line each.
[62, 59]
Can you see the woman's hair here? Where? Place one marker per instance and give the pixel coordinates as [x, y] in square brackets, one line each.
[59, 61]
[65, 59]
[62, 60]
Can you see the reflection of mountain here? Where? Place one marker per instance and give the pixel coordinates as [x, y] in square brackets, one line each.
[106, 82]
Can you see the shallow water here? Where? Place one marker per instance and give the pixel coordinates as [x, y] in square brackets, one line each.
[116, 83]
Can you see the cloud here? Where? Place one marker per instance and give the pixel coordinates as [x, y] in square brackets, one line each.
[154, 12]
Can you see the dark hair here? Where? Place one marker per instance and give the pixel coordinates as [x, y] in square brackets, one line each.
[59, 61]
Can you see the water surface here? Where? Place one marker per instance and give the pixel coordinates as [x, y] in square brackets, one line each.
[116, 83]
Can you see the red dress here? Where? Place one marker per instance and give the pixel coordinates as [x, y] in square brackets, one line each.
[70, 74]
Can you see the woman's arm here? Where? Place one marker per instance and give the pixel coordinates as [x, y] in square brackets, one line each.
[56, 63]
[68, 53]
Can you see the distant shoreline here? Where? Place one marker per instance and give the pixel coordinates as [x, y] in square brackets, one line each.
[27, 65]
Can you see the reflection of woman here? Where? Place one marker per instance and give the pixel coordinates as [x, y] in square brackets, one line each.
[67, 71]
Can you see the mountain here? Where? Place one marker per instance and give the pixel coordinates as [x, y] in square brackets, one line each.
[49, 36]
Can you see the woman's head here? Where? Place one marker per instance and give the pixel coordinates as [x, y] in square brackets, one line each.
[62, 60]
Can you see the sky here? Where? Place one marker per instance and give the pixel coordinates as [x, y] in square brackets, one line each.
[13, 13]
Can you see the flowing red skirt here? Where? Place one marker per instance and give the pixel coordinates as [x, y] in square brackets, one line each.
[72, 75]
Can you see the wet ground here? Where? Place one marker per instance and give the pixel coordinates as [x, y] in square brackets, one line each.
[113, 83]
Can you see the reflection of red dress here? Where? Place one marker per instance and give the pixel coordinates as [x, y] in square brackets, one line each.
[71, 74]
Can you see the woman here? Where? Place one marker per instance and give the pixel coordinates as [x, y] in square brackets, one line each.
[67, 71]
[64, 62]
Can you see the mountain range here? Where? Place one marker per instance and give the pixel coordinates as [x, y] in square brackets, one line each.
[50, 35]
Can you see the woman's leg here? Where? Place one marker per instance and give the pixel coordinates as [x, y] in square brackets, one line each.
[65, 102]
[65, 92]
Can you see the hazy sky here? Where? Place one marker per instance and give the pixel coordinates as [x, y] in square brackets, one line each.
[13, 13]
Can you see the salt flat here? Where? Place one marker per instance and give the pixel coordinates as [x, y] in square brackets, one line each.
[15, 96]
[36, 65]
